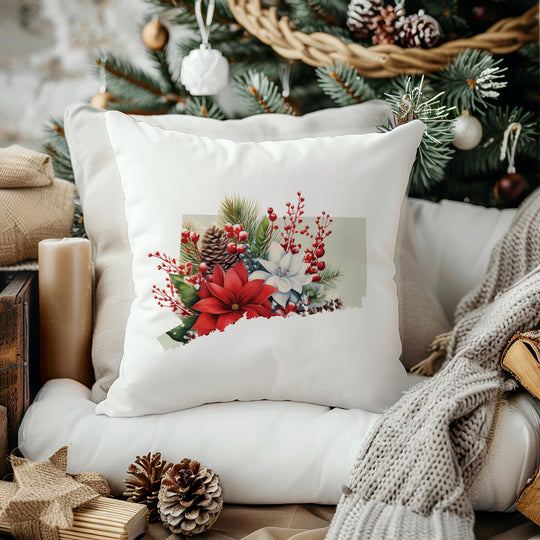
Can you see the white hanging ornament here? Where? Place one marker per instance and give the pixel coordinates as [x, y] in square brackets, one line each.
[467, 131]
[205, 71]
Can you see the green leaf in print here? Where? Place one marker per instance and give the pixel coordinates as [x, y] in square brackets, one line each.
[179, 332]
[259, 248]
[187, 291]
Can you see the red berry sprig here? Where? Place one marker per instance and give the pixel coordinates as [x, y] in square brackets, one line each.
[190, 240]
[316, 252]
[292, 221]
[168, 297]
[237, 236]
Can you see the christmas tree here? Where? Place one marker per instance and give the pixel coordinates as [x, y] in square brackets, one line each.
[480, 108]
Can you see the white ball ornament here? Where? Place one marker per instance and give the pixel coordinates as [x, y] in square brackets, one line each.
[204, 71]
[467, 132]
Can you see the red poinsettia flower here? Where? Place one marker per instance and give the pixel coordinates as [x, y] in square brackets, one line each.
[227, 297]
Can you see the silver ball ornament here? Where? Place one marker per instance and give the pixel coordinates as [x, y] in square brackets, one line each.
[204, 71]
[467, 132]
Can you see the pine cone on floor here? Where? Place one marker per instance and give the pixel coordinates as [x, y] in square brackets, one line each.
[383, 26]
[190, 498]
[214, 249]
[419, 30]
[359, 15]
[145, 480]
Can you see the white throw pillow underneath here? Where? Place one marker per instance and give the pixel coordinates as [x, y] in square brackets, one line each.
[270, 347]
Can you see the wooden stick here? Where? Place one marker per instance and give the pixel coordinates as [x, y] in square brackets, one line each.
[103, 519]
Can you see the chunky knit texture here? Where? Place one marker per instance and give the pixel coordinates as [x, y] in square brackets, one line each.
[413, 473]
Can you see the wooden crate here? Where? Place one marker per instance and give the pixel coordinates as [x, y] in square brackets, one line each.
[18, 302]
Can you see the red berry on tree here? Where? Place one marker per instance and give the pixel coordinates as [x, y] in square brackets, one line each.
[315, 278]
[203, 268]
[269, 210]
[243, 236]
[272, 217]
[240, 248]
[295, 250]
[312, 270]
[320, 252]
[231, 248]
[230, 234]
[237, 228]
[194, 237]
[321, 265]
[308, 257]
[228, 227]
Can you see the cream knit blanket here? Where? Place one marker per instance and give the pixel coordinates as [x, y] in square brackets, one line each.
[412, 476]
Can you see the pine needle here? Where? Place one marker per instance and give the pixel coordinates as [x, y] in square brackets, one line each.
[259, 94]
[238, 210]
[330, 276]
[205, 107]
[344, 85]
[472, 80]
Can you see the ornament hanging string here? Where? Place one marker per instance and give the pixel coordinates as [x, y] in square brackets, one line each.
[204, 26]
[103, 75]
[285, 69]
[509, 145]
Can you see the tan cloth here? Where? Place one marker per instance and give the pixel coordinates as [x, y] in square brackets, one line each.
[290, 522]
[421, 316]
[34, 205]
[310, 522]
[20, 167]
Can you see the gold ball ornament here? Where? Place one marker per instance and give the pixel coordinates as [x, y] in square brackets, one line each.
[467, 132]
[155, 35]
[101, 100]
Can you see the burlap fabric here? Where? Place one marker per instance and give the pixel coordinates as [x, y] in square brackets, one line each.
[34, 204]
[41, 499]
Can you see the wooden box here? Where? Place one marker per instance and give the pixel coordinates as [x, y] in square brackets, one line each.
[18, 302]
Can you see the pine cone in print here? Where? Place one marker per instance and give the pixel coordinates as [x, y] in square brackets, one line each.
[359, 15]
[142, 486]
[419, 30]
[383, 26]
[214, 250]
[330, 305]
[190, 498]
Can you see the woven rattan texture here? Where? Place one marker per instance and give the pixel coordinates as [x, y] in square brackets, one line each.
[320, 49]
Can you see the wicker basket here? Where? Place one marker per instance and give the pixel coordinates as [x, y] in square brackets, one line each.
[320, 49]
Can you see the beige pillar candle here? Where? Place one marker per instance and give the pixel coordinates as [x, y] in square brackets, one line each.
[65, 309]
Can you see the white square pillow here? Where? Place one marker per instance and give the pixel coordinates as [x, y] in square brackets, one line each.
[260, 327]
[102, 199]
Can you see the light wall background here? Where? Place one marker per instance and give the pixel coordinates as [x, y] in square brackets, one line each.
[46, 48]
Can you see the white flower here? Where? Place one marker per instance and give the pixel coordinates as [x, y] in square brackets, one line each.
[283, 271]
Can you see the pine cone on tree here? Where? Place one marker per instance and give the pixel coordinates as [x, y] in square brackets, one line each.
[359, 15]
[145, 480]
[214, 249]
[419, 30]
[190, 498]
[383, 26]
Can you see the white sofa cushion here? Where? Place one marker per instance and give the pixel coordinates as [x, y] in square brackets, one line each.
[454, 243]
[264, 452]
